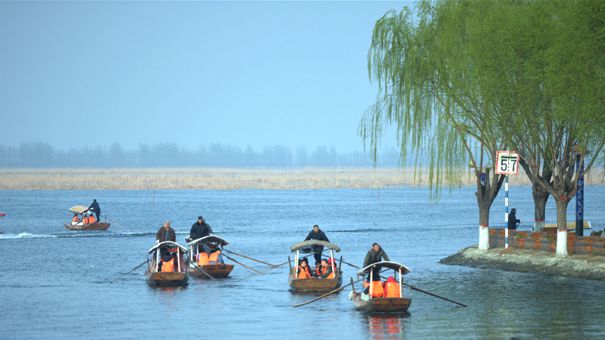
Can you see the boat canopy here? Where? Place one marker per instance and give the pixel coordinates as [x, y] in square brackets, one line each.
[167, 244]
[387, 264]
[306, 246]
[210, 239]
[78, 209]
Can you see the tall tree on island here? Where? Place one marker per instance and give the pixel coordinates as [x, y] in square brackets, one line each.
[431, 88]
[469, 78]
[558, 111]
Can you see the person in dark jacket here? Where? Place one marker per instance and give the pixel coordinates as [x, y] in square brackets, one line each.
[513, 222]
[317, 234]
[165, 233]
[374, 255]
[199, 229]
[95, 208]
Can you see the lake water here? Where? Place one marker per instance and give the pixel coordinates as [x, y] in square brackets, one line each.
[54, 282]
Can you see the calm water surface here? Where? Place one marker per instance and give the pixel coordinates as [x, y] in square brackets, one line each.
[54, 283]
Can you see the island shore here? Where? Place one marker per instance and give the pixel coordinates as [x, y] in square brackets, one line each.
[590, 267]
[223, 178]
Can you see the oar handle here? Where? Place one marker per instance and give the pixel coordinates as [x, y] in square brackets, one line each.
[250, 258]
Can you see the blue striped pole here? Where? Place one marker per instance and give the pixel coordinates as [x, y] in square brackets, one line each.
[506, 212]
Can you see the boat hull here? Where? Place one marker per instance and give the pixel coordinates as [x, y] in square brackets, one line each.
[218, 271]
[167, 279]
[314, 284]
[381, 305]
[92, 226]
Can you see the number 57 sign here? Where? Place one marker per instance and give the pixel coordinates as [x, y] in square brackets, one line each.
[507, 163]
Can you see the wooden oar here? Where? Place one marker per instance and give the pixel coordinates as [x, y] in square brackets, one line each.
[243, 265]
[429, 293]
[203, 271]
[133, 269]
[327, 294]
[250, 258]
[433, 294]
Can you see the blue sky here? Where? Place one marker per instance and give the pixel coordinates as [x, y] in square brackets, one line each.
[239, 73]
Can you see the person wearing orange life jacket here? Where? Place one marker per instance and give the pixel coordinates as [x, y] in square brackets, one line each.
[303, 269]
[85, 219]
[168, 263]
[75, 219]
[392, 288]
[91, 219]
[325, 271]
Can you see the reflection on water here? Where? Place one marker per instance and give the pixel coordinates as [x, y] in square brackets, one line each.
[382, 327]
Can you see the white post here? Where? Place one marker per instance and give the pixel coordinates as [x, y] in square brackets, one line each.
[400, 284]
[506, 212]
[483, 237]
[296, 265]
[157, 259]
[371, 281]
[178, 259]
[332, 258]
[561, 243]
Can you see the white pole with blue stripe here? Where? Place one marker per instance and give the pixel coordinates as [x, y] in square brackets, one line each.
[506, 212]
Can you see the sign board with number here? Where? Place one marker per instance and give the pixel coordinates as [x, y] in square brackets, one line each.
[507, 163]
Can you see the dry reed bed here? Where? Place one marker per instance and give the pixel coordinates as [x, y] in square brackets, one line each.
[219, 178]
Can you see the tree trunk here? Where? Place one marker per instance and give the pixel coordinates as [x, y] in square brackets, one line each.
[540, 199]
[562, 203]
[484, 202]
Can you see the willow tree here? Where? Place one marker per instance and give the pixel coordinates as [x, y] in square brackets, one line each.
[468, 78]
[433, 88]
[563, 115]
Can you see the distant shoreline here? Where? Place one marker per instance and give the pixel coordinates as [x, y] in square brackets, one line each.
[222, 178]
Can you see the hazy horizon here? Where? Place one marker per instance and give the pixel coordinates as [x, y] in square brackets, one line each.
[84, 74]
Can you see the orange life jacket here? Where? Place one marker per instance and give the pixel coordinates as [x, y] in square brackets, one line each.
[303, 273]
[91, 219]
[168, 266]
[202, 259]
[323, 271]
[377, 290]
[75, 219]
[391, 290]
[213, 258]
[85, 220]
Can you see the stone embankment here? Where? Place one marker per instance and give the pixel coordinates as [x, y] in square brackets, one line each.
[532, 261]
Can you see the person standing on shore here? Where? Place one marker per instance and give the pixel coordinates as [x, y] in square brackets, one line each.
[513, 222]
[165, 233]
[317, 234]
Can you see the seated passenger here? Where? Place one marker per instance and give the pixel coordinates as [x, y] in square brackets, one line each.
[91, 219]
[392, 288]
[325, 271]
[202, 258]
[167, 263]
[215, 257]
[303, 271]
[376, 289]
[75, 219]
[85, 219]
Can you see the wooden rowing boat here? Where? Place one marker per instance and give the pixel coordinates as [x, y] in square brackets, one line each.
[210, 243]
[80, 209]
[158, 278]
[314, 284]
[91, 226]
[393, 305]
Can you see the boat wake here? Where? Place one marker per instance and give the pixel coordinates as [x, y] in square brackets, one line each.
[24, 235]
[101, 234]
